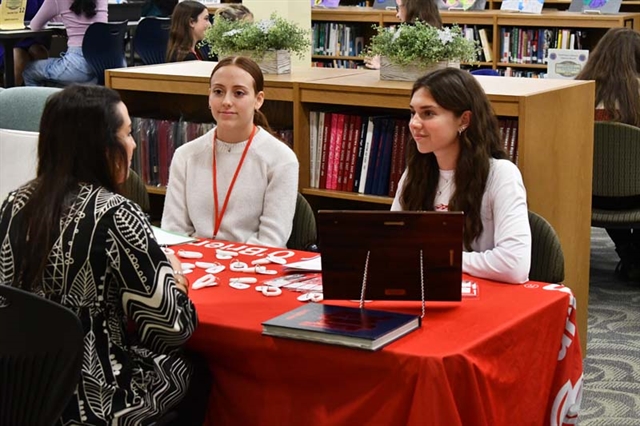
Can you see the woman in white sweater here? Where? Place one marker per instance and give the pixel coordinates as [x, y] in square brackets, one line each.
[457, 163]
[245, 189]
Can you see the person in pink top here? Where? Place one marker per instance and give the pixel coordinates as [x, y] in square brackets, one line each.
[70, 67]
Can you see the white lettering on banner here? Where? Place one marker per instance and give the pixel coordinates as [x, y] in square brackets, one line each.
[283, 254]
[566, 405]
[233, 247]
[569, 327]
[254, 251]
[242, 249]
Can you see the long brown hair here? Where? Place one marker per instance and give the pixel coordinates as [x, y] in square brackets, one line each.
[180, 39]
[78, 142]
[424, 10]
[456, 91]
[248, 65]
[615, 66]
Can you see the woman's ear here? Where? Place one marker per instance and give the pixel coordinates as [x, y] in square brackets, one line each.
[259, 100]
[465, 119]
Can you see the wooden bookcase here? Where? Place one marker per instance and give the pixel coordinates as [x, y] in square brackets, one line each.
[626, 6]
[555, 134]
[491, 20]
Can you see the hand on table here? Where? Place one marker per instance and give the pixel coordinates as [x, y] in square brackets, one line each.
[182, 283]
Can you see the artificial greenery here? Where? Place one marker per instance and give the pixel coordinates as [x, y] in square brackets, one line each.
[255, 38]
[422, 44]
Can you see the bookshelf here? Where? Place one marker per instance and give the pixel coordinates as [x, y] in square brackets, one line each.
[626, 6]
[492, 20]
[555, 135]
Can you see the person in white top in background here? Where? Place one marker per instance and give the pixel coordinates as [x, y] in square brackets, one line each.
[456, 162]
[245, 189]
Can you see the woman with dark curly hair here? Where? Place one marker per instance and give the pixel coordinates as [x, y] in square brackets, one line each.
[456, 162]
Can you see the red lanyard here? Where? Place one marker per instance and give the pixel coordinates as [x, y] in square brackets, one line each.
[220, 213]
[198, 54]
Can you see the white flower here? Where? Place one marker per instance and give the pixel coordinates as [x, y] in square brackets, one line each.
[396, 34]
[232, 32]
[445, 36]
[265, 25]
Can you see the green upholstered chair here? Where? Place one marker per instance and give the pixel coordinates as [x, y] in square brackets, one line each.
[616, 173]
[21, 109]
[304, 234]
[547, 259]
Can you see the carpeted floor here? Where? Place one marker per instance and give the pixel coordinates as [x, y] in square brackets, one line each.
[612, 368]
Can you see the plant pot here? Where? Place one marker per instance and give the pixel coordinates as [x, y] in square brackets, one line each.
[273, 61]
[389, 71]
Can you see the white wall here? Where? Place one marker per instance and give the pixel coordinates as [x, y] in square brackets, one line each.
[298, 11]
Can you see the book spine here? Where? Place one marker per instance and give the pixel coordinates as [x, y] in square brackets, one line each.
[355, 147]
[313, 145]
[364, 172]
[324, 167]
[358, 170]
[338, 150]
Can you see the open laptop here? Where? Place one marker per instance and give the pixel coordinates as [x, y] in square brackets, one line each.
[393, 242]
[384, 4]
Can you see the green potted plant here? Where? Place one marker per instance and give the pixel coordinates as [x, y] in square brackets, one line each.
[410, 50]
[269, 42]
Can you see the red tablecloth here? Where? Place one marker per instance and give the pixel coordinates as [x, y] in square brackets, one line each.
[509, 356]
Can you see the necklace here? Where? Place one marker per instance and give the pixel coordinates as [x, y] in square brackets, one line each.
[447, 184]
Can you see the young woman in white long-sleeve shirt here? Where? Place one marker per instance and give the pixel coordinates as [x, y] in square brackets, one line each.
[456, 162]
[237, 182]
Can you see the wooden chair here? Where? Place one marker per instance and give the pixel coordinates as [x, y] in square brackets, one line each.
[547, 259]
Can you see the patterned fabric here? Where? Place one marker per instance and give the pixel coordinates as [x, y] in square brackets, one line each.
[107, 267]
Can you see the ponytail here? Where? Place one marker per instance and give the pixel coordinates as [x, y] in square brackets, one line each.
[86, 7]
[259, 119]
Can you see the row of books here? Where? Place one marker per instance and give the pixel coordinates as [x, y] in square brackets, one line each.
[511, 72]
[531, 45]
[366, 154]
[357, 153]
[157, 141]
[335, 39]
[337, 63]
[479, 35]
[509, 133]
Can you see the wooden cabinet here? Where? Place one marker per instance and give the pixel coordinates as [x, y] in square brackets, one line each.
[555, 134]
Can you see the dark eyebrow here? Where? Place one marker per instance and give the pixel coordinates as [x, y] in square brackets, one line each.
[234, 87]
[423, 107]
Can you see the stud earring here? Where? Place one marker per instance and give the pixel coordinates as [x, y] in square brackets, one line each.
[460, 130]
